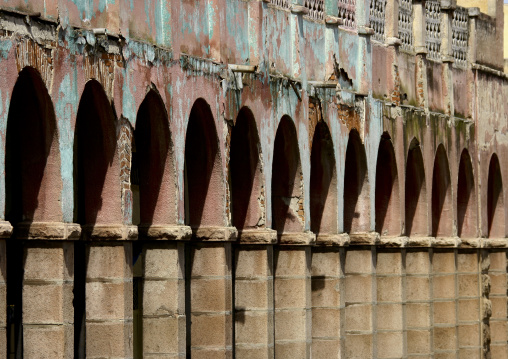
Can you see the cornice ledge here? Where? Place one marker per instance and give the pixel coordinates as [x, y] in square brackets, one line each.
[164, 232]
[214, 234]
[257, 236]
[47, 231]
[110, 232]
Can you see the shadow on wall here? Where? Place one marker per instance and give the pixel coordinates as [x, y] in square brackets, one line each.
[495, 200]
[203, 170]
[416, 192]
[442, 212]
[466, 199]
[287, 196]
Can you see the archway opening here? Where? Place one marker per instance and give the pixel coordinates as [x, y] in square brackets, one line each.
[387, 190]
[323, 182]
[495, 200]
[153, 176]
[466, 198]
[245, 173]
[442, 212]
[287, 182]
[33, 183]
[416, 192]
[356, 187]
[203, 169]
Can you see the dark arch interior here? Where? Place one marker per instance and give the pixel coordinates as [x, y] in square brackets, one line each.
[416, 192]
[442, 214]
[286, 180]
[94, 153]
[245, 172]
[32, 181]
[203, 170]
[152, 164]
[387, 190]
[356, 196]
[32, 163]
[466, 199]
[323, 182]
[495, 203]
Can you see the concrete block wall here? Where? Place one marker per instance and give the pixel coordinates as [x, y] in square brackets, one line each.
[252, 179]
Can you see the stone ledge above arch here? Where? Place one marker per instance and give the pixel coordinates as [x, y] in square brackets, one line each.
[257, 236]
[164, 232]
[47, 231]
[342, 239]
[297, 238]
[215, 234]
[110, 232]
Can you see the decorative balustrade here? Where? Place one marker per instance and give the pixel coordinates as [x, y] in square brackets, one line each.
[433, 29]
[316, 9]
[285, 4]
[460, 34]
[347, 12]
[377, 19]
[405, 20]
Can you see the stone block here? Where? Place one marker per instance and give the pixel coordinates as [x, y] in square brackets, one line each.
[290, 325]
[417, 262]
[3, 305]
[107, 340]
[325, 322]
[3, 343]
[109, 261]
[326, 263]
[163, 262]
[209, 330]
[497, 284]
[469, 310]
[444, 286]
[468, 285]
[417, 288]
[288, 350]
[498, 331]
[499, 351]
[254, 352]
[444, 338]
[252, 294]
[252, 263]
[43, 342]
[292, 262]
[210, 295]
[418, 315]
[443, 262]
[161, 297]
[106, 301]
[389, 289]
[358, 289]
[291, 293]
[44, 263]
[468, 262]
[211, 353]
[390, 345]
[470, 353]
[469, 335]
[359, 261]
[418, 341]
[389, 263]
[444, 312]
[43, 304]
[358, 346]
[498, 307]
[325, 292]
[497, 261]
[389, 316]
[161, 335]
[253, 328]
[325, 348]
[210, 259]
[359, 318]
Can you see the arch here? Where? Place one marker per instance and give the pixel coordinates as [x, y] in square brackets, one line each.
[245, 172]
[416, 192]
[153, 175]
[323, 182]
[204, 190]
[495, 200]
[287, 191]
[356, 187]
[32, 157]
[387, 189]
[442, 211]
[466, 198]
[96, 164]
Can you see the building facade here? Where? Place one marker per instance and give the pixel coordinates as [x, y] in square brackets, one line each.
[253, 179]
